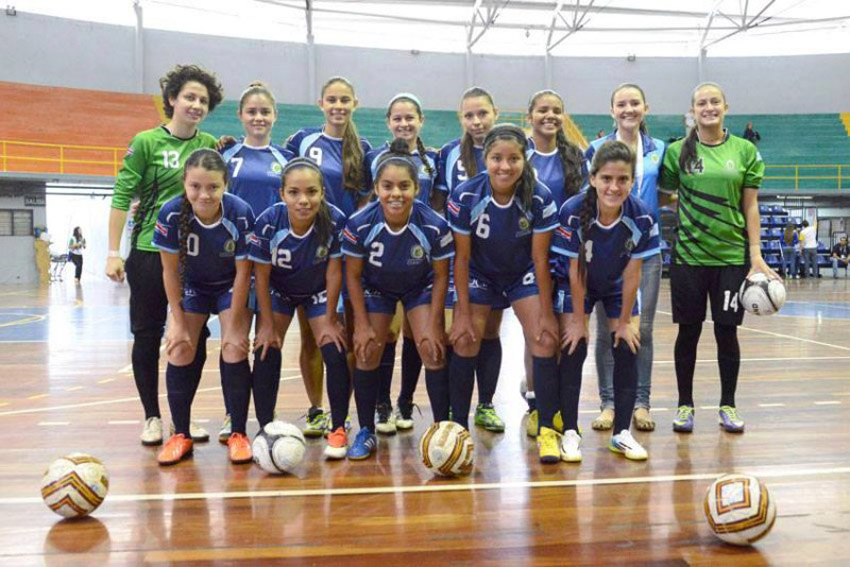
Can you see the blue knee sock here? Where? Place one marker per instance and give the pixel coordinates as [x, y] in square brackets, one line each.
[366, 396]
[488, 368]
[237, 377]
[339, 383]
[625, 385]
[569, 378]
[461, 384]
[545, 374]
[266, 383]
[437, 384]
[386, 373]
[411, 366]
[178, 382]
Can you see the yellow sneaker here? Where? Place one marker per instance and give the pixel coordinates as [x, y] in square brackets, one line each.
[531, 424]
[549, 445]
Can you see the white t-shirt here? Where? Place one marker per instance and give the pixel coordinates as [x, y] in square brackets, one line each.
[809, 237]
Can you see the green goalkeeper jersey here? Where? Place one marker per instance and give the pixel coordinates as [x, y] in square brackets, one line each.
[712, 230]
[153, 170]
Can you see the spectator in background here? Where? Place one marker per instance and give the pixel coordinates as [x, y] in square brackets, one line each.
[789, 243]
[76, 244]
[600, 134]
[750, 134]
[840, 257]
[809, 240]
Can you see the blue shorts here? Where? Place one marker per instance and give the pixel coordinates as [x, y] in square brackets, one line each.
[315, 305]
[206, 302]
[380, 302]
[613, 303]
[485, 291]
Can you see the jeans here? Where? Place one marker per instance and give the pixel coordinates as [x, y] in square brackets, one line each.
[789, 262]
[810, 260]
[650, 282]
[836, 264]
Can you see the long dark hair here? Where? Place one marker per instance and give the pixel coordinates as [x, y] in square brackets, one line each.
[78, 233]
[324, 221]
[610, 151]
[789, 233]
[570, 154]
[352, 150]
[689, 146]
[467, 144]
[207, 159]
[420, 147]
[622, 86]
[524, 188]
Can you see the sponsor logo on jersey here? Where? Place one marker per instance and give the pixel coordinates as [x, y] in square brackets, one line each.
[161, 228]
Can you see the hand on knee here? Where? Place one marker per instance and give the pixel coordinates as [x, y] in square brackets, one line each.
[544, 347]
[180, 354]
[233, 352]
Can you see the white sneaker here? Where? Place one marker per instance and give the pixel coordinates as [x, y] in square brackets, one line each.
[385, 419]
[624, 444]
[152, 432]
[226, 430]
[571, 446]
[198, 433]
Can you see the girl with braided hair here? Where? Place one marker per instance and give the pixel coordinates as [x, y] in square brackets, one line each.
[398, 250]
[298, 264]
[502, 220]
[560, 165]
[203, 236]
[151, 171]
[629, 109]
[404, 120]
[603, 237]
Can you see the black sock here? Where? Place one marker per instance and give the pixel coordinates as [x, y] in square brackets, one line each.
[386, 374]
[225, 394]
[569, 378]
[544, 369]
[145, 360]
[366, 396]
[266, 383]
[437, 384]
[625, 384]
[728, 360]
[178, 382]
[685, 355]
[200, 357]
[237, 376]
[339, 383]
[461, 383]
[411, 366]
[488, 366]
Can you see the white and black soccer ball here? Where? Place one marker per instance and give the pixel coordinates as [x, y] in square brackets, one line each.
[73, 486]
[739, 509]
[761, 295]
[446, 449]
[279, 447]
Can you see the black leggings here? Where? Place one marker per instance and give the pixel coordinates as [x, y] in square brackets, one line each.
[728, 361]
[77, 260]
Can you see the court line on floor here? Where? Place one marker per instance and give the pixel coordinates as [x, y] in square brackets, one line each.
[779, 335]
[114, 401]
[445, 486]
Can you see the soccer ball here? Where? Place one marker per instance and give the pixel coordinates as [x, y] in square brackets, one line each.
[73, 486]
[762, 296]
[279, 447]
[446, 449]
[739, 509]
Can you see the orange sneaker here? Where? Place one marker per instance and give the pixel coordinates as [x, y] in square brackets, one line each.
[337, 446]
[177, 448]
[239, 449]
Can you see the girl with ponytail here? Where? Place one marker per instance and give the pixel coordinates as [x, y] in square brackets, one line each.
[398, 250]
[603, 237]
[298, 266]
[202, 236]
[503, 220]
[629, 109]
[718, 245]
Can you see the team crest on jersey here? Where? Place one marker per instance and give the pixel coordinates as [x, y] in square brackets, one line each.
[523, 223]
[417, 252]
[630, 245]
[654, 158]
[229, 247]
[322, 252]
[276, 168]
[730, 164]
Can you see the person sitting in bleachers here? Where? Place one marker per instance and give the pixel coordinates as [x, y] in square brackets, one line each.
[840, 257]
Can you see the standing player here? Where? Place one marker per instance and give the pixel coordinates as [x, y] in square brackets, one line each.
[404, 120]
[76, 245]
[398, 249]
[560, 166]
[340, 154]
[718, 242]
[629, 109]
[458, 161]
[254, 165]
[152, 171]
[503, 220]
[606, 232]
[297, 261]
[203, 239]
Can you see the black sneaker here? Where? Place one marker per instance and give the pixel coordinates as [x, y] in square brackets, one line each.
[384, 419]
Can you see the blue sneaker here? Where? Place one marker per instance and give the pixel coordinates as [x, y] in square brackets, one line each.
[730, 420]
[684, 422]
[363, 446]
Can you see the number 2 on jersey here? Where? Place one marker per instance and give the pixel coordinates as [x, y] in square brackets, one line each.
[377, 252]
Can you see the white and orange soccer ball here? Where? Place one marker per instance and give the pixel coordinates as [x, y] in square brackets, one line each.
[446, 449]
[739, 509]
[74, 485]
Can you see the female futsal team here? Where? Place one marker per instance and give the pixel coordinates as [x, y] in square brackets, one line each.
[340, 234]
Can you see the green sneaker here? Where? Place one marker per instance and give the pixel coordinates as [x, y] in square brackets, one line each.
[317, 423]
[486, 417]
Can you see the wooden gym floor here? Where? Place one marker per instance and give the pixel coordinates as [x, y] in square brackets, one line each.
[66, 385]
